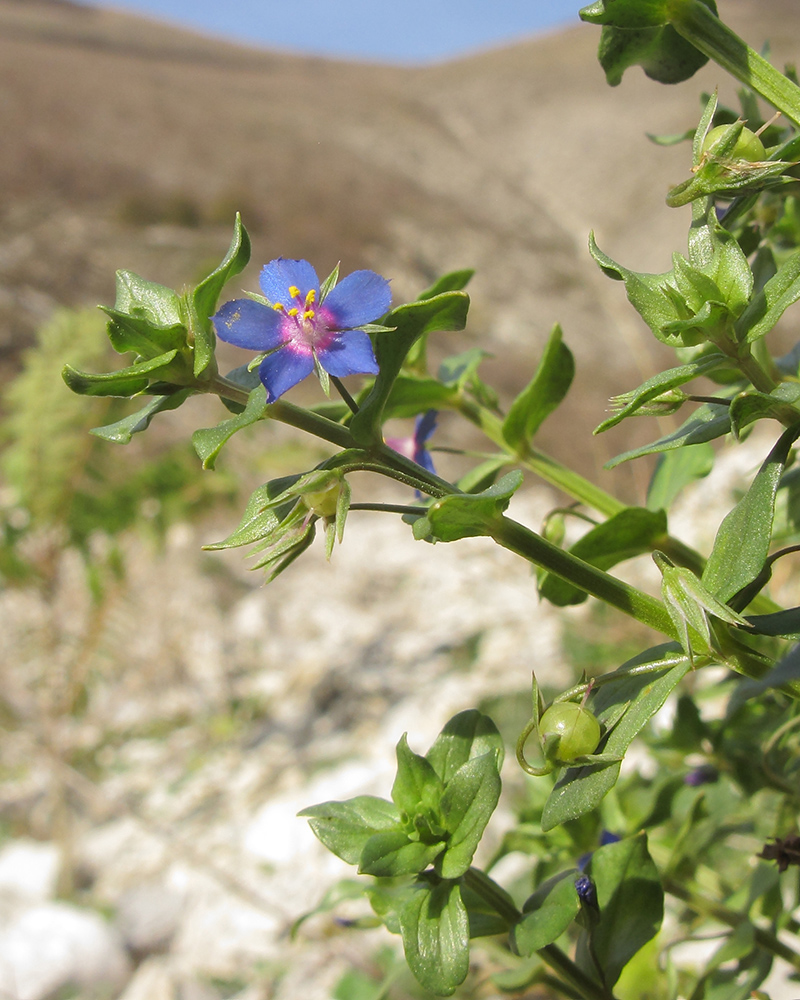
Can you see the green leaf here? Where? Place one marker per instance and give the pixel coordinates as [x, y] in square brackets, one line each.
[138, 334]
[467, 735]
[638, 32]
[446, 311]
[630, 900]
[630, 533]
[465, 515]
[346, 827]
[742, 543]
[209, 441]
[411, 395]
[203, 300]
[435, 931]
[547, 913]
[121, 431]
[138, 298]
[124, 382]
[768, 305]
[392, 853]
[709, 421]
[542, 395]
[417, 786]
[579, 790]
[783, 623]
[260, 518]
[630, 403]
[468, 802]
[453, 281]
[676, 469]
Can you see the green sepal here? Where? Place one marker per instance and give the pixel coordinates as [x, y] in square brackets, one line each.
[690, 603]
[638, 697]
[627, 534]
[435, 929]
[547, 913]
[346, 827]
[209, 441]
[123, 430]
[260, 518]
[329, 283]
[202, 301]
[708, 422]
[742, 543]
[124, 382]
[638, 32]
[470, 797]
[466, 515]
[467, 735]
[630, 903]
[446, 311]
[636, 400]
[392, 853]
[417, 786]
[542, 394]
[290, 543]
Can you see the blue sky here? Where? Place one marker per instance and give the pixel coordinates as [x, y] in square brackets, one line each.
[394, 30]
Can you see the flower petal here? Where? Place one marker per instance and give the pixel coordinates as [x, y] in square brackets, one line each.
[360, 298]
[425, 426]
[348, 354]
[279, 275]
[282, 370]
[249, 324]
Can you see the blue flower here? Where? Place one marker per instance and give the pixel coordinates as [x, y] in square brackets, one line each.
[413, 447]
[301, 329]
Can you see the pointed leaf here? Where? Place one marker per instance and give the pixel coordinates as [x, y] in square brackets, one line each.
[138, 334]
[751, 405]
[630, 900]
[124, 382]
[547, 913]
[392, 853]
[121, 431]
[417, 786]
[136, 297]
[676, 469]
[742, 543]
[260, 518]
[467, 735]
[708, 422]
[209, 441]
[435, 932]
[467, 804]
[346, 827]
[542, 395]
[768, 305]
[465, 515]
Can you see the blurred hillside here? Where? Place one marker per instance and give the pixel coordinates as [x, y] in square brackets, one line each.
[128, 144]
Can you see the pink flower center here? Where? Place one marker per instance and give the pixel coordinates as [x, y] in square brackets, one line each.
[305, 327]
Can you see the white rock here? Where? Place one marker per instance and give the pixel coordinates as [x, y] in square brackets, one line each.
[50, 946]
[29, 870]
[148, 916]
[152, 981]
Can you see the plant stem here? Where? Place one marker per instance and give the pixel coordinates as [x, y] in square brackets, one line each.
[526, 543]
[501, 903]
[700, 26]
[718, 911]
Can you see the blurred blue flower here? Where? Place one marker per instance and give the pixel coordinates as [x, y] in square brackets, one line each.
[300, 329]
[413, 446]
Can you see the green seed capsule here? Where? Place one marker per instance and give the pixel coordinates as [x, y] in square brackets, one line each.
[748, 146]
[567, 731]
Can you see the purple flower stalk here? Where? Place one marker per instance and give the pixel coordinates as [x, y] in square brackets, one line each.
[300, 329]
[413, 447]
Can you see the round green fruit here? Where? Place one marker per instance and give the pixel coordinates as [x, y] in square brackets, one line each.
[568, 730]
[748, 146]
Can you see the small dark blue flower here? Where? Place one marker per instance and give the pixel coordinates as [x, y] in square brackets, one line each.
[300, 328]
[705, 774]
[587, 893]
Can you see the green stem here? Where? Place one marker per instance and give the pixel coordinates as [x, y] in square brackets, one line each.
[718, 911]
[700, 26]
[501, 903]
[526, 543]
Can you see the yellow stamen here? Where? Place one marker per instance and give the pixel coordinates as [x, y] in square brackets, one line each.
[309, 314]
[294, 291]
[293, 311]
[278, 307]
[311, 297]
